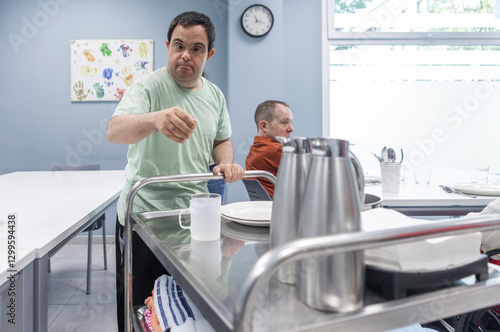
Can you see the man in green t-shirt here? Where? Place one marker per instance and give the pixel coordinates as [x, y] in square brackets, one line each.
[174, 120]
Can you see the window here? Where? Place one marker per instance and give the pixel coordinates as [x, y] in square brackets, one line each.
[419, 75]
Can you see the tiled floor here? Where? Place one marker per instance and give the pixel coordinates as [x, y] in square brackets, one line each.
[70, 308]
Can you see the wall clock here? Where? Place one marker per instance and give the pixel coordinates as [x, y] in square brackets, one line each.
[257, 20]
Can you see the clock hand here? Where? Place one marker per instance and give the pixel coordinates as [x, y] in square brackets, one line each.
[257, 20]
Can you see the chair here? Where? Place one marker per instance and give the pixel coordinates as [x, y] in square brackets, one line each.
[256, 191]
[97, 224]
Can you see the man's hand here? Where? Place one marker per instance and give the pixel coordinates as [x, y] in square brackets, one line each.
[231, 172]
[175, 123]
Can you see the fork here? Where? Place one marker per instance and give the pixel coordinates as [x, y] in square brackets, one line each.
[453, 191]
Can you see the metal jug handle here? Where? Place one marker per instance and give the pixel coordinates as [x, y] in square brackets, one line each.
[360, 178]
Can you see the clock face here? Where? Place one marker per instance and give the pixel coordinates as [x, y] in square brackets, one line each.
[257, 20]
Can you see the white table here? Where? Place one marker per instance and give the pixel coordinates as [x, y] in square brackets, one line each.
[51, 208]
[429, 199]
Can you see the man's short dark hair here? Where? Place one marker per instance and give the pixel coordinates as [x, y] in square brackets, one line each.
[189, 19]
[265, 111]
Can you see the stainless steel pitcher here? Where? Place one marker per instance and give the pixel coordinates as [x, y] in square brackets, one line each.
[332, 202]
[290, 185]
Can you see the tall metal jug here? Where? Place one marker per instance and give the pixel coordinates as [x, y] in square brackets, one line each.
[290, 185]
[332, 202]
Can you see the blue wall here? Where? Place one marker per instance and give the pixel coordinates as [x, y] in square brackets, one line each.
[283, 65]
[40, 127]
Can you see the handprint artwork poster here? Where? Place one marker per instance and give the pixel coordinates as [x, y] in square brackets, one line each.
[102, 69]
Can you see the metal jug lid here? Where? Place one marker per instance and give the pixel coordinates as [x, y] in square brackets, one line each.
[329, 147]
[294, 144]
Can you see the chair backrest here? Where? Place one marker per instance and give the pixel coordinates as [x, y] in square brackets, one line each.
[256, 191]
[94, 167]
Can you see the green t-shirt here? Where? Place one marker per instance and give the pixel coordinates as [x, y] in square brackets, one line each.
[157, 154]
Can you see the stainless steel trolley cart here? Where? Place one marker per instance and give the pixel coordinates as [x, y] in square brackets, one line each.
[247, 304]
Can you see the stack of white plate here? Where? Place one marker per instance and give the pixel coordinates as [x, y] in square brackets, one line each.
[253, 213]
[477, 189]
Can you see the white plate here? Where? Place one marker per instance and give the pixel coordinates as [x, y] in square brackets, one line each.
[372, 179]
[477, 189]
[249, 222]
[248, 211]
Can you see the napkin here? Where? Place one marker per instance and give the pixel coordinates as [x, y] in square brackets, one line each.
[419, 256]
[490, 239]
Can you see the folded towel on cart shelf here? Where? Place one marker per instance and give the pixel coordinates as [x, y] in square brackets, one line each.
[432, 254]
[172, 310]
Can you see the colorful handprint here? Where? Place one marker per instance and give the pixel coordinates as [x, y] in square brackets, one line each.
[88, 71]
[125, 50]
[99, 91]
[120, 92]
[107, 73]
[105, 49]
[88, 55]
[143, 50]
[141, 64]
[128, 76]
[80, 94]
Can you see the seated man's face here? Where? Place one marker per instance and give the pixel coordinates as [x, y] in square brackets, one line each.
[282, 123]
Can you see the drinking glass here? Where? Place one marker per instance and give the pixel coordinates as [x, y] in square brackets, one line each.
[422, 174]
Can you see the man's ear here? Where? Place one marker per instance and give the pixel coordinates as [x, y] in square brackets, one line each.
[168, 45]
[212, 52]
[263, 126]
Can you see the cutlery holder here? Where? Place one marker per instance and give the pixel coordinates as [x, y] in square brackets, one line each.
[391, 177]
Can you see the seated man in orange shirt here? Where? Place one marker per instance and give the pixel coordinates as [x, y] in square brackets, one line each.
[273, 118]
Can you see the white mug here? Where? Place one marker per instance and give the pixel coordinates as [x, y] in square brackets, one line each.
[205, 217]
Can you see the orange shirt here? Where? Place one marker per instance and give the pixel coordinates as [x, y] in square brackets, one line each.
[264, 155]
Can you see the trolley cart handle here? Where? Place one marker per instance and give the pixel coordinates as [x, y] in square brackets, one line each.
[128, 224]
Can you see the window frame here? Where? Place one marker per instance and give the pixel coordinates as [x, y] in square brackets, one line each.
[404, 38]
